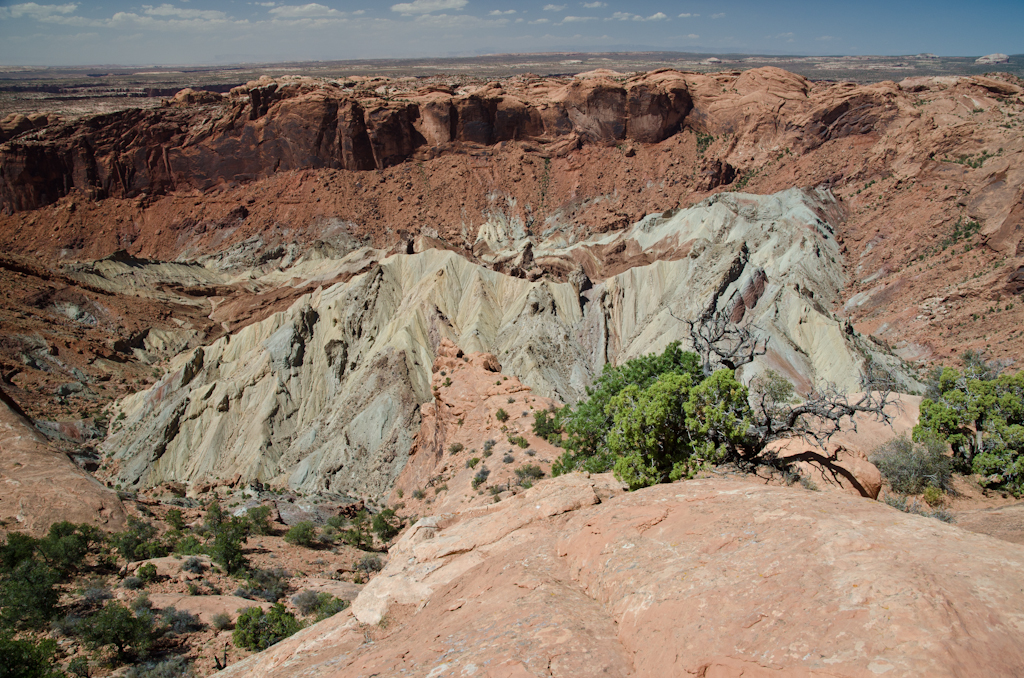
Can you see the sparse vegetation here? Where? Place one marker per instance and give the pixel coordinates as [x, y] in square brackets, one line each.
[301, 534]
[911, 468]
[257, 630]
[501, 415]
[455, 448]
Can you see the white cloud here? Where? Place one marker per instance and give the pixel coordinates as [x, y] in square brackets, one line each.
[578, 19]
[626, 16]
[427, 6]
[594, 5]
[170, 11]
[554, 8]
[779, 36]
[718, 16]
[266, 4]
[498, 12]
[309, 11]
[691, 36]
[825, 38]
[540, 21]
[687, 15]
[34, 10]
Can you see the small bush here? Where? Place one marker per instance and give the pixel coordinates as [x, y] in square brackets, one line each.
[305, 602]
[902, 503]
[529, 471]
[94, 595]
[501, 415]
[511, 400]
[193, 565]
[323, 605]
[359, 534]
[386, 525]
[131, 636]
[418, 494]
[141, 602]
[147, 573]
[139, 541]
[189, 546]
[489, 445]
[181, 621]
[79, 666]
[270, 585]
[808, 483]
[175, 519]
[28, 658]
[933, 496]
[132, 583]
[519, 440]
[301, 534]
[370, 563]
[221, 621]
[175, 667]
[455, 448]
[910, 468]
[338, 522]
[471, 463]
[508, 459]
[440, 488]
[481, 477]
[259, 520]
[257, 630]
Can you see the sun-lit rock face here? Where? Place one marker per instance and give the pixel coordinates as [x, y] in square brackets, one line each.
[713, 577]
[326, 394]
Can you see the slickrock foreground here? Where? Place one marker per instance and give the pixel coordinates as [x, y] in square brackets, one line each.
[713, 577]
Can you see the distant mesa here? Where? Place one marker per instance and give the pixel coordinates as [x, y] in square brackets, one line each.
[993, 59]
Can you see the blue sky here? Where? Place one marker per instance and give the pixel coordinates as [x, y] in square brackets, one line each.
[225, 31]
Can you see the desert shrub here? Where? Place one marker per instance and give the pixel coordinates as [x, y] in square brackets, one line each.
[455, 448]
[471, 463]
[259, 520]
[18, 547]
[28, 658]
[511, 400]
[301, 534]
[529, 471]
[175, 667]
[980, 413]
[489, 445]
[193, 565]
[910, 467]
[323, 605]
[130, 635]
[175, 519]
[932, 495]
[547, 424]
[370, 563]
[358, 535]
[181, 621]
[530, 452]
[386, 525]
[327, 538]
[501, 415]
[508, 459]
[808, 483]
[27, 596]
[138, 541]
[132, 583]
[270, 585]
[214, 516]
[338, 522]
[141, 602]
[481, 477]
[438, 489]
[65, 545]
[221, 621]
[418, 494]
[94, 595]
[226, 549]
[189, 545]
[79, 666]
[305, 602]
[257, 630]
[147, 573]
[908, 505]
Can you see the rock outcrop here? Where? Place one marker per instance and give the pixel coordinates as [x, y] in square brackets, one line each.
[326, 395]
[706, 577]
[42, 486]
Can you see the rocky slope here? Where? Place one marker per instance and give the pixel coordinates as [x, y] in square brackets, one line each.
[325, 396]
[716, 577]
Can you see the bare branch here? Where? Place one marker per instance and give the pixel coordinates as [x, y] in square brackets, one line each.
[722, 343]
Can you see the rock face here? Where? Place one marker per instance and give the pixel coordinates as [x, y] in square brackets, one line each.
[996, 58]
[326, 395]
[702, 578]
[42, 486]
[296, 123]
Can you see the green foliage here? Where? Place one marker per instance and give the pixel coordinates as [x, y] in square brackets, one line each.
[259, 520]
[501, 415]
[221, 621]
[322, 605]
[175, 667]
[529, 471]
[982, 417]
[65, 545]
[27, 595]
[301, 534]
[455, 448]
[139, 541]
[588, 423]
[257, 630]
[471, 463]
[358, 535]
[386, 525]
[214, 516]
[270, 585]
[226, 549]
[548, 425]
[147, 573]
[911, 468]
[17, 548]
[28, 658]
[130, 636]
[519, 440]
[175, 519]
[189, 545]
[180, 621]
